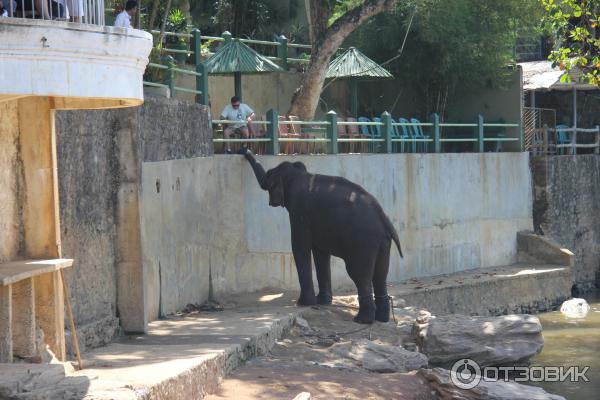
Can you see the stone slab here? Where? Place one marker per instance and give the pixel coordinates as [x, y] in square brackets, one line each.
[517, 288]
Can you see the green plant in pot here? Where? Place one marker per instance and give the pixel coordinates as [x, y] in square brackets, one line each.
[177, 23]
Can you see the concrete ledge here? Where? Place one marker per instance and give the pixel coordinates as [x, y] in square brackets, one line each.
[93, 335]
[182, 357]
[540, 248]
[519, 288]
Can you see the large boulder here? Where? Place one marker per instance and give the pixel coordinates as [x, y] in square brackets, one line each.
[439, 380]
[489, 341]
[378, 357]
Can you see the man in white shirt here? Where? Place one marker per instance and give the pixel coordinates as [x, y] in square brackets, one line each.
[237, 111]
[123, 20]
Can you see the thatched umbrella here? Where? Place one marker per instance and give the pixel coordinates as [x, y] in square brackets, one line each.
[237, 58]
[354, 65]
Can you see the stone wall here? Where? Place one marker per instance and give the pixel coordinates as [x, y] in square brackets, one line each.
[98, 154]
[11, 235]
[567, 209]
[205, 221]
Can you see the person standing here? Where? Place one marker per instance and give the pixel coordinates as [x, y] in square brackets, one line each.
[123, 20]
[240, 112]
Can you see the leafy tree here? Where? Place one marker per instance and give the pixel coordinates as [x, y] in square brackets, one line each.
[330, 26]
[451, 44]
[575, 24]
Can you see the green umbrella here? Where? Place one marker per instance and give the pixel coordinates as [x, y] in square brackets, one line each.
[237, 58]
[354, 64]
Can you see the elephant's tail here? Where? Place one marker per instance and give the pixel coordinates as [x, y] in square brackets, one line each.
[393, 233]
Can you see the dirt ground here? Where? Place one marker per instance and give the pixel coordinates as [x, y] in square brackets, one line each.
[308, 359]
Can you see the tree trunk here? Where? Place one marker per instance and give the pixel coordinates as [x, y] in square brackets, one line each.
[326, 42]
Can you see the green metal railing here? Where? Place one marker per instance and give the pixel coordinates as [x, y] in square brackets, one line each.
[171, 70]
[380, 142]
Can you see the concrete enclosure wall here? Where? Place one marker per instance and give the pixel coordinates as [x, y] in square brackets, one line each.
[205, 221]
[11, 221]
[99, 158]
[567, 209]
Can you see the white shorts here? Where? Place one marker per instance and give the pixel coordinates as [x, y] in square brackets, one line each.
[75, 8]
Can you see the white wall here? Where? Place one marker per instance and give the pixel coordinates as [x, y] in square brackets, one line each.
[452, 211]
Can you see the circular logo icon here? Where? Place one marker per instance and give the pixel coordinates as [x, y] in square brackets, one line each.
[465, 374]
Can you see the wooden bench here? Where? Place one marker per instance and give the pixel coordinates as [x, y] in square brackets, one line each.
[31, 296]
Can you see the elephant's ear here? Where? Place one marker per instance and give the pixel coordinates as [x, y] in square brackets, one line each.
[300, 165]
[276, 193]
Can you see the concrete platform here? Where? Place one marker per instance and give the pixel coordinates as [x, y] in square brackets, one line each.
[519, 288]
[183, 357]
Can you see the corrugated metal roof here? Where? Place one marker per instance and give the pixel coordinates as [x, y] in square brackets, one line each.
[235, 56]
[541, 75]
[353, 63]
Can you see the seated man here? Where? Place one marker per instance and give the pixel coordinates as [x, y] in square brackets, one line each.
[237, 111]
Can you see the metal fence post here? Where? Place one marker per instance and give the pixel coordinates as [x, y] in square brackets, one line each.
[597, 140]
[332, 132]
[437, 144]
[202, 84]
[282, 52]
[521, 137]
[227, 36]
[387, 130]
[480, 142]
[197, 45]
[273, 130]
[170, 75]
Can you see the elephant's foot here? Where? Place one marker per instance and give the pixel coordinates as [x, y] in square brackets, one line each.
[382, 308]
[306, 300]
[324, 299]
[366, 311]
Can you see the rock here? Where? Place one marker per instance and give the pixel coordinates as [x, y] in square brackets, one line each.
[302, 323]
[440, 381]
[381, 357]
[497, 341]
[575, 308]
[302, 396]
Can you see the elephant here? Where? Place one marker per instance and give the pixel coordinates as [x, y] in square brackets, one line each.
[331, 216]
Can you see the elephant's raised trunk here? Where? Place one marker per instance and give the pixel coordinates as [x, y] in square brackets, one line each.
[259, 171]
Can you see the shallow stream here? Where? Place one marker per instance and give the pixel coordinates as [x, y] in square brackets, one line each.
[569, 342]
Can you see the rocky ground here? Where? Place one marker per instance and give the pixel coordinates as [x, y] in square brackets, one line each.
[329, 356]
[326, 355]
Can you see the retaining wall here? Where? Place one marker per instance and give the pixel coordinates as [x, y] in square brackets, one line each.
[205, 221]
[567, 209]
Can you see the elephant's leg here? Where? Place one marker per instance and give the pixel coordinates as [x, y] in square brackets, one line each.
[360, 270]
[323, 267]
[301, 245]
[382, 300]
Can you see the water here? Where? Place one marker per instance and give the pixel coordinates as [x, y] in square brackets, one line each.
[570, 342]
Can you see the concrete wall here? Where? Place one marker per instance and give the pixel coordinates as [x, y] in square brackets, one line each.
[99, 154]
[207, 217]
[567, 209]
[11, 235]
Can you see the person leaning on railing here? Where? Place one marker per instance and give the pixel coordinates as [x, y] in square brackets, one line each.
[237, 111]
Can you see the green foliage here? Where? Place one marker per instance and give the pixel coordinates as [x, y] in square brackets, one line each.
[575, 24]
[452, 44]
[176, 23]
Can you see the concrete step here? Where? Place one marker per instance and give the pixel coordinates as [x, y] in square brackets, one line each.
[181, 357]
[517, 288]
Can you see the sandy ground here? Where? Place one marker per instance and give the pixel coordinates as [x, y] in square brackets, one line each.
[304, 361]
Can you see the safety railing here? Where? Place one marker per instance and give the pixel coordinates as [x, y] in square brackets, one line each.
[564, 140]
[170, 71]
[80, 11]
[281, 46]
[383, 137]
